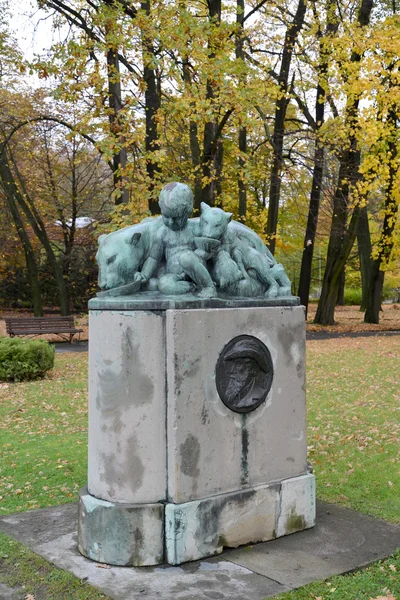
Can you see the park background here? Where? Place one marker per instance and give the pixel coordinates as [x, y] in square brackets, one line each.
[282, 112]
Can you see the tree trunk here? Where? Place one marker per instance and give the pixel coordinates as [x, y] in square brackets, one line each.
[37, 225]
[340, 241]
[210, 127]
[241, 180]
[331, 283]
[342, 283]
[279, 123]
[152, 105]
[319, 159]
[374, 299]
[120, 159]
[195, 151]
[29, 254]
[386, 240]
[242, 129]
[364, 254]
[219, 163]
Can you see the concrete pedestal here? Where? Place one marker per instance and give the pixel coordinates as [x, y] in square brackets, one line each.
[174, 473]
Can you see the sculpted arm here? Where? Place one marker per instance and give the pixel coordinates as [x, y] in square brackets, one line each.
[153, 260]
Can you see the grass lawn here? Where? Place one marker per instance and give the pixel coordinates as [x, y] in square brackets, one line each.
[354, 427]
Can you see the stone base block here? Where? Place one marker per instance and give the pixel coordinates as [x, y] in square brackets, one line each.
[201, 528]
[120, 534]
[296, 505]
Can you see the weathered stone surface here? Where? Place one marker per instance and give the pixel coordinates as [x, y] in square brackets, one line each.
[156, 301]
[120, 534]
[211, 449]
[203, 527]
[296, 505]
[127, 439]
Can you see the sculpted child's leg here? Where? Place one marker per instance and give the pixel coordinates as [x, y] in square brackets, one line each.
[172, 284]
[194, 268]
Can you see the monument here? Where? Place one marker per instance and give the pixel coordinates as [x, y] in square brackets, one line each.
[197, 432]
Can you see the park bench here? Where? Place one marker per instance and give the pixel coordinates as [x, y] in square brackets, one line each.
[33, 326]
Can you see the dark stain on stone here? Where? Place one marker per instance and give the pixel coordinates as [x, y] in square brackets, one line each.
[222, 577]
[244, 476]
[138, 539]
[135, 468]
[222, 541]
[300, 368]
[190, 456]
[178, 378]
[290, 459]
[136, 557]
[193, 368]
[295, 522]
[131, 366]
[208, 515]
[170, 186]
[204, 414]
[109, 474]
[118, 381]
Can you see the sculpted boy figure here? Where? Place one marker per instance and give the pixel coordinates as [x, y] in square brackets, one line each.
[174, 243]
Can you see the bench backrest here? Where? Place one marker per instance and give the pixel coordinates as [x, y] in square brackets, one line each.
[14, 324]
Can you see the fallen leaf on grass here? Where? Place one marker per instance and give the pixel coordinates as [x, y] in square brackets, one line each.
[29, 597]
[388, 597]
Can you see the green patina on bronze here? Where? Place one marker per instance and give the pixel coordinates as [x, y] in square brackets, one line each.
[176, 255]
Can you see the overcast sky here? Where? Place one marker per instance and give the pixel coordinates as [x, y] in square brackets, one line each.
[32, 28]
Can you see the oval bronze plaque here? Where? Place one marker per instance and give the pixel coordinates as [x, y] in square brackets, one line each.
[244, 373]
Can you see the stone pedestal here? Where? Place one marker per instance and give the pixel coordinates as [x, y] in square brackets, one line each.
[176, 470]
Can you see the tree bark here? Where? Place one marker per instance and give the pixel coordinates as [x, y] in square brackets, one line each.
[152, 105]
[386, 240]
[30, 258]
[342, 283]
[119, 159]
[316, 186]
[195, 151]
[282, 103]
[331, 283]
[340, 240]
[210, 127]
[242, 129]
[37, 225]
[364, 254]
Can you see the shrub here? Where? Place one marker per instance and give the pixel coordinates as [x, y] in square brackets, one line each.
[352, 297]
[21, 360]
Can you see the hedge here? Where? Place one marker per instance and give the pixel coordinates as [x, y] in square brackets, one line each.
[22, 360]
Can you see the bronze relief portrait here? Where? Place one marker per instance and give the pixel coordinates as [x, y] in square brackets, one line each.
[244, 373]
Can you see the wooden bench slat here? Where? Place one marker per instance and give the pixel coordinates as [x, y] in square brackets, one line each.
[41, 326]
